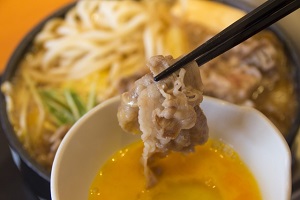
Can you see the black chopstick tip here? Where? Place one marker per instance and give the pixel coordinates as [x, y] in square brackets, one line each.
[168, 71]
[158, 77]
[163, 74]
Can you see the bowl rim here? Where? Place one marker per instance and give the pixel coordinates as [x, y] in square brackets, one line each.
[25, 44]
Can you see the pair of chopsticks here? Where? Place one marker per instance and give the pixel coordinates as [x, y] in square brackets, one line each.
[255, 21]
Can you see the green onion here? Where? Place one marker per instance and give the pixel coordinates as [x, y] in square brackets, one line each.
[72, 105]
[64, 107]
[79, 104]
[57, 107]
[91, 102]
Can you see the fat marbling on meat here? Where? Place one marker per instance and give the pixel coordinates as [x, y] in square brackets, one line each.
[167, 113]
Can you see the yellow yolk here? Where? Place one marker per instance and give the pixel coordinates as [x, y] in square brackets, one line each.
[213, 171]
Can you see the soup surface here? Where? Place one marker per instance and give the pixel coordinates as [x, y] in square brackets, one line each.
[213, 171]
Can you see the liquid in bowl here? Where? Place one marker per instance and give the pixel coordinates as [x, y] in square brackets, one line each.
[213, 171]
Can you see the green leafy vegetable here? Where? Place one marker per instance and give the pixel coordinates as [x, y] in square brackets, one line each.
[64, 107]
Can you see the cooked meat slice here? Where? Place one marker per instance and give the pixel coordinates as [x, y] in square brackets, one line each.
[166, 112]
[126, 83]
[235, 75]
[128, 110]
[230, 81]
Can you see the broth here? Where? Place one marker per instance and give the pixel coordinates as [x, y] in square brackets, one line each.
[213, 171]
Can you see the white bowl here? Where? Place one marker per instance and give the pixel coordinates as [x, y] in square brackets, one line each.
[97, 135]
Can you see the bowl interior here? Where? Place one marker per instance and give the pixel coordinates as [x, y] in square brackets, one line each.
[96, 136]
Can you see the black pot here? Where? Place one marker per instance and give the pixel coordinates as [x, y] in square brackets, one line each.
[36, 176]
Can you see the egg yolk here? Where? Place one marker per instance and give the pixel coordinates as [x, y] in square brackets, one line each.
[213, 171]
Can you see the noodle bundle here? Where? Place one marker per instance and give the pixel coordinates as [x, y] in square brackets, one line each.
[79, 61]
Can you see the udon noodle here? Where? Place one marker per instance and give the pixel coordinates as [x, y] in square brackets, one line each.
[97, 51]
[97, 44]
[98, 30]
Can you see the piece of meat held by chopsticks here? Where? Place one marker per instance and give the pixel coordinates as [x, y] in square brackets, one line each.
[166, 112]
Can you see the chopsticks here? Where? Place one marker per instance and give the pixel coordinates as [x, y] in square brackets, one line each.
[255, 21]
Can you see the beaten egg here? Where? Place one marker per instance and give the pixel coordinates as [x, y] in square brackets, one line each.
[213, 171]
